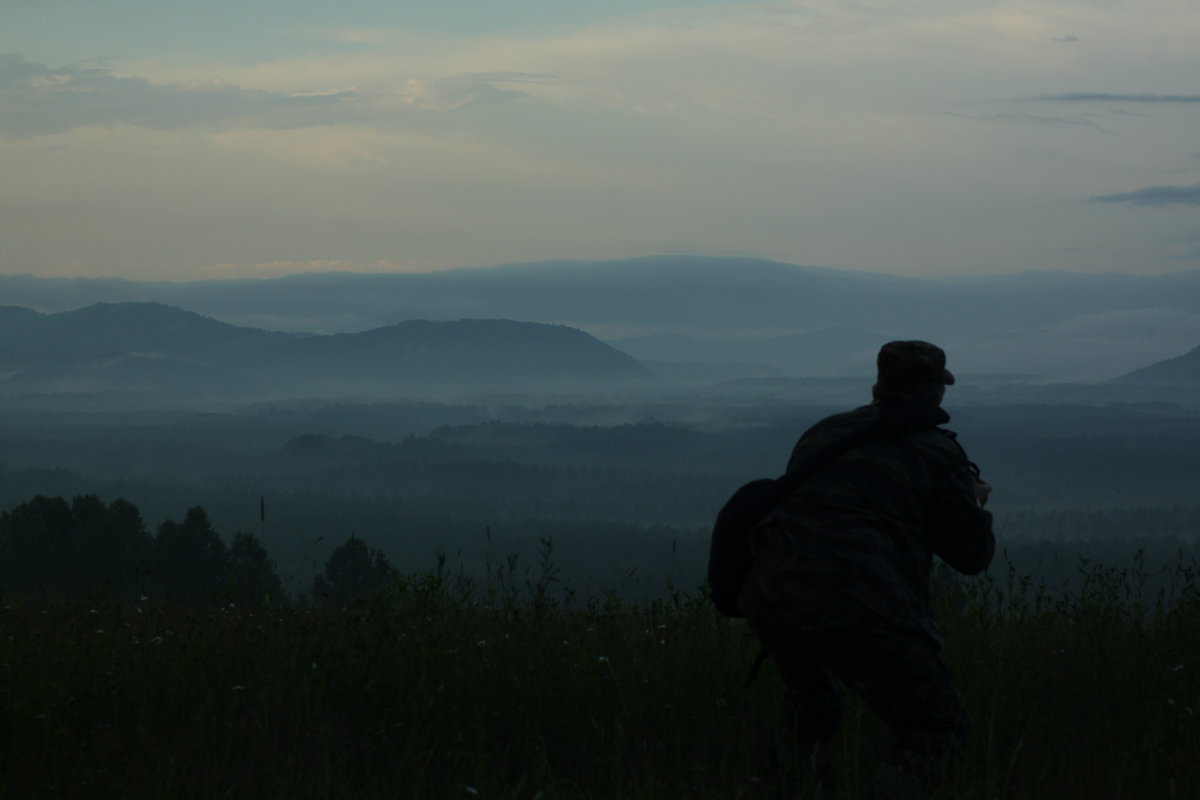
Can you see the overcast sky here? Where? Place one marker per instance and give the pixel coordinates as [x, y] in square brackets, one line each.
[158, 139]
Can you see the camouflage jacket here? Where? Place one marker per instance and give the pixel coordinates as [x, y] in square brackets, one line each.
[852, 546]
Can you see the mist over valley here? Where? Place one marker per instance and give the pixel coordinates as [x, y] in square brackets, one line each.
[739, 315]
[480, 436]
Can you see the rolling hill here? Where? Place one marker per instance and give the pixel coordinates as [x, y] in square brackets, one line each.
[153, 347]
[1184, 369]
[1058, 325]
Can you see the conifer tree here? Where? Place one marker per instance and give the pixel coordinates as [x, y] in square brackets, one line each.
[252, 577]
[190, 559]
[352, 571]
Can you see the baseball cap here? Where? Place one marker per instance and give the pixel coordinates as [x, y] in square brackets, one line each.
[911, 367]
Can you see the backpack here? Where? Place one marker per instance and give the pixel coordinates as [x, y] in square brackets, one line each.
[729, 556]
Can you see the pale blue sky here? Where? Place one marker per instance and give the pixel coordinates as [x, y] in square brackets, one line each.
[261, 137]
[62, 31]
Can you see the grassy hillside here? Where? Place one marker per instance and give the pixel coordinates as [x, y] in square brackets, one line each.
[445, 689]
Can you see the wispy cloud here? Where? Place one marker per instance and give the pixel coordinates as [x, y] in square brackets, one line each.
[784, 128]
[1037, 119]
[1156, 196]
[472, 88]
[1108, 97]
[37, 100]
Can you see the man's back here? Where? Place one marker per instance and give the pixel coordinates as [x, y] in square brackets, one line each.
[852, 546]
[838, 592]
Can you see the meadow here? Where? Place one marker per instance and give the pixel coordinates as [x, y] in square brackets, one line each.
[512, 687]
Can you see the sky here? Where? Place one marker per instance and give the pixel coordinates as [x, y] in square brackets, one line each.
[255, 138]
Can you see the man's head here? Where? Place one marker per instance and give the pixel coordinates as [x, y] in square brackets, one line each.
[912, 372]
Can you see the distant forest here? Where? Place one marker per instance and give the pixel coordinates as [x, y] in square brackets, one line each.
[54, 548]
[625, 491]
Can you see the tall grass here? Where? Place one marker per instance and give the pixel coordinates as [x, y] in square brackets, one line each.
[443, 687]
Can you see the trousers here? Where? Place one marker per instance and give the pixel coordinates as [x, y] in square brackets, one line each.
[899, 674]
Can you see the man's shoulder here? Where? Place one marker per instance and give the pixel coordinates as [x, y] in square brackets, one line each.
[943, 444]
[844, 422]
[890, 436]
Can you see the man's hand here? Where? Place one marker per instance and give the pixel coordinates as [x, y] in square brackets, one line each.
[982, 490]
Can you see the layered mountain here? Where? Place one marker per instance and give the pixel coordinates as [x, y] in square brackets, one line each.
[834, 350]
[464, 353]
[1061, 326]
[152, 347]
[1181, 370]
[29, 339]
[683, 294]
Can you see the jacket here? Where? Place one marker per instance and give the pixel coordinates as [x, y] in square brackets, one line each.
[852, 546]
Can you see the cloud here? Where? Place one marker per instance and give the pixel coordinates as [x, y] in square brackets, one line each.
[470, 89]
[1065, 39]
[36, 100]
[1156, 196]
[783, 128]
[1103, 97]
[1037, 119]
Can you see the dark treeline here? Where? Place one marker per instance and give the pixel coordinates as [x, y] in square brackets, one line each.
[384, 469]
[52, 547]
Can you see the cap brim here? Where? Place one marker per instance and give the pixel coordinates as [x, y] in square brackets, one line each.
[947, 377]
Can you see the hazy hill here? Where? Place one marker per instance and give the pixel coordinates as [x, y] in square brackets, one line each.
[1184, 369]
[834, 350]
[1064, 326]
[16, 315]
[681, 293]
[471, 352]
[153, 347]
[29, 339]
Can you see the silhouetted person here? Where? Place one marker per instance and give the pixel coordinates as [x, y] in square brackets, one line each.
[839, 592]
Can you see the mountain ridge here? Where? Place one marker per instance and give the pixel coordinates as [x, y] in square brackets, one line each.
[1183, 369]
[1063, 325]
[143, 346]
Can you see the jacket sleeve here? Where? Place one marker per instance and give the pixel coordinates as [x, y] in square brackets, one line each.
[960, 531]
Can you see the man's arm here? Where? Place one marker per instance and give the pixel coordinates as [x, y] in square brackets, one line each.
[960, 529]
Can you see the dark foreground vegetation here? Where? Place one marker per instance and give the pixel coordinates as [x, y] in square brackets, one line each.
[438, 686]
